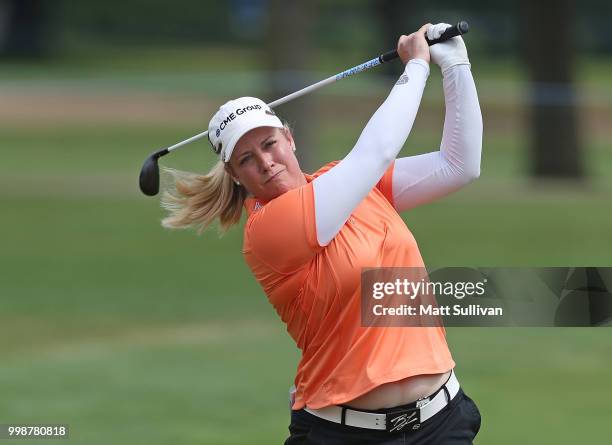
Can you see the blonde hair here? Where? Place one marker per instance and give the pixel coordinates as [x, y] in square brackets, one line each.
[197, 200]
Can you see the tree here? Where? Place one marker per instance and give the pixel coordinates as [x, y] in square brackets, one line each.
[549, 51]
[394, 19]
[289, 57]
[29, 28]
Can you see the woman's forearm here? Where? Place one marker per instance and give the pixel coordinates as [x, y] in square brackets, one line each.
[342, 188]
[421, 179]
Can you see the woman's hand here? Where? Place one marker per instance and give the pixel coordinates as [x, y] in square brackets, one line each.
[414, 46]
[449, 53]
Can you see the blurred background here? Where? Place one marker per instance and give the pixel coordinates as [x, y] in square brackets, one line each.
[132, 333]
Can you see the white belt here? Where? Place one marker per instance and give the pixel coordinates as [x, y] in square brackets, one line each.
[413, 418]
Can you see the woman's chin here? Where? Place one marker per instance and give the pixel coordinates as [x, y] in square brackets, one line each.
[274, 190]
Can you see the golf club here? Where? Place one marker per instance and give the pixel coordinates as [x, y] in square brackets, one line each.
[149, 174]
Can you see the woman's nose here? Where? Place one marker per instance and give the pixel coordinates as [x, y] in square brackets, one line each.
[266, 162]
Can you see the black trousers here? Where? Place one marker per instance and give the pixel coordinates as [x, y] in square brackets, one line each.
[456, 424]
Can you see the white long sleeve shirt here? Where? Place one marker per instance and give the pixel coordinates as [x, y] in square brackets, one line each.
[417, 179]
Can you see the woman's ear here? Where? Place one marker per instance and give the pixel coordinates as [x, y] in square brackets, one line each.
[230, 171]
[287, 133]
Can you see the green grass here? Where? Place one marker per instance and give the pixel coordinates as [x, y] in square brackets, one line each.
[131, 333]
[219, 383]
[134, 334]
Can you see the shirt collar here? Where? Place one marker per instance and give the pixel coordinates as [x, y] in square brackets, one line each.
[253, 204]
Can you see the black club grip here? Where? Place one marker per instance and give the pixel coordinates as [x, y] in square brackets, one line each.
[457, 30]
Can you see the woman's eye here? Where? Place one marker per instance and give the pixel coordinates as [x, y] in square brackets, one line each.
[244, 160]
[270, 143]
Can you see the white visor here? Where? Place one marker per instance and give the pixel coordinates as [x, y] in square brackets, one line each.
[234, 119]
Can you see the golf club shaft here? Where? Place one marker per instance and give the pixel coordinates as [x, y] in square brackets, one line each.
[458, 29]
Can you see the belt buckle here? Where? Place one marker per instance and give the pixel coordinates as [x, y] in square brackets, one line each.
[422, 402]
[406, 418]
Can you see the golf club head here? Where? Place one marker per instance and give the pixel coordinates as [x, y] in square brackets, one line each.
[149, 174]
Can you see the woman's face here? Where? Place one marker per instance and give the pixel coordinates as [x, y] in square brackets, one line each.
[264, 162]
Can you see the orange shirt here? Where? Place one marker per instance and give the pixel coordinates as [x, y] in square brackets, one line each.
[316, 292]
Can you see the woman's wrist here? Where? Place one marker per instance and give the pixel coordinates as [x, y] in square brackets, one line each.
[413, 64]
[454, 68]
